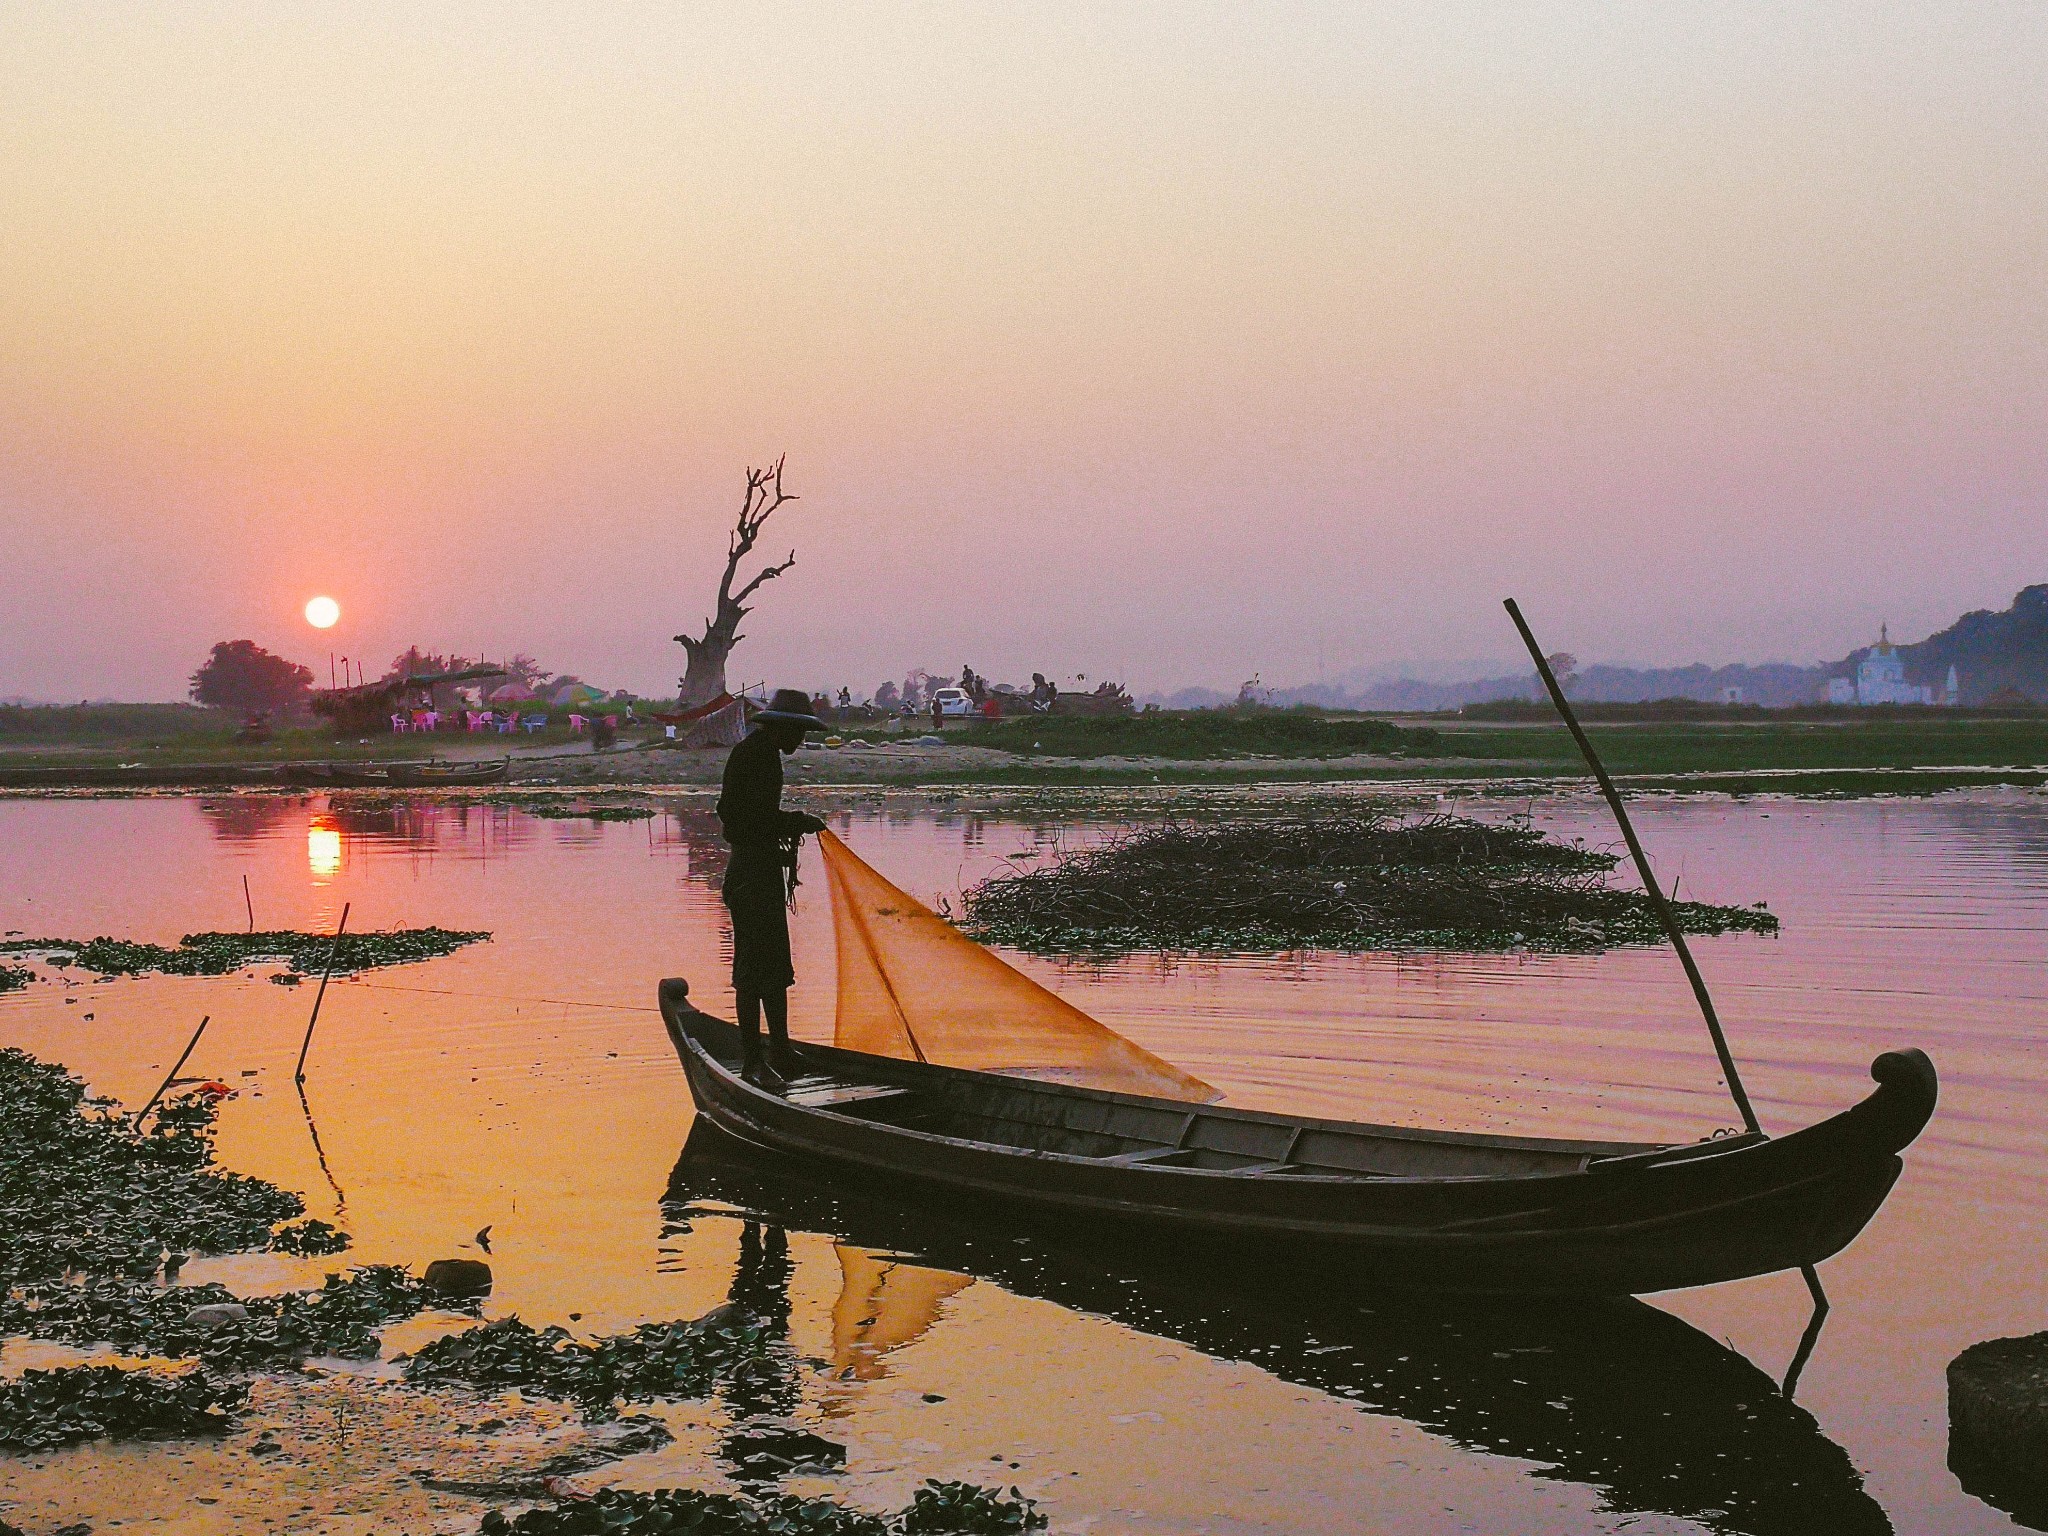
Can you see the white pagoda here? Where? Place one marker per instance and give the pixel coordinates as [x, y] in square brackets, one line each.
[1881, 676]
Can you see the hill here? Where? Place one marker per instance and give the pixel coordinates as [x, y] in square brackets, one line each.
[1991, 652]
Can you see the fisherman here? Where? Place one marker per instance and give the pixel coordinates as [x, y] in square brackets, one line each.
[761, 879]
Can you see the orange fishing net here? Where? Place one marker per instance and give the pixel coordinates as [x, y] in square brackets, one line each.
[911, 986]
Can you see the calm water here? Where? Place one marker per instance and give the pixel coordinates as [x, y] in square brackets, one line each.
[526, 1084]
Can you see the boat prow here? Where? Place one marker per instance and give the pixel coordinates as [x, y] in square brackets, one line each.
[1395, 1204]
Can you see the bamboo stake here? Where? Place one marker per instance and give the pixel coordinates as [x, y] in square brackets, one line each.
[1811, 1336]
[247, 902]
[172, 1076]
[299, 1072]
[1656, 897]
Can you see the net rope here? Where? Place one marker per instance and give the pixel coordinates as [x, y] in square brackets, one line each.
[913, 987]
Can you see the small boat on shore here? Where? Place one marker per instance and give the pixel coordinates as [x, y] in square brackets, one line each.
[1405, 1207]
[394, 775]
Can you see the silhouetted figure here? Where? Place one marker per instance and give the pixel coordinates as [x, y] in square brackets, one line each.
[761, 879]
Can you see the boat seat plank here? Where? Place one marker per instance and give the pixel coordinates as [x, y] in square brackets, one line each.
[828, 1095]
[1142, 1155]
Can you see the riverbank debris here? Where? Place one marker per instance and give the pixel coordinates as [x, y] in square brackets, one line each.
[1349, 880]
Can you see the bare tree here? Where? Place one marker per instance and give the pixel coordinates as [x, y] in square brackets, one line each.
[704, 675]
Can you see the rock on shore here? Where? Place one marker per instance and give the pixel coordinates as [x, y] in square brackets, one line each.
[1998, 1421]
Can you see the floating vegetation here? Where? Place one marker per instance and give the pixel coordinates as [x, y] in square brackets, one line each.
[311, 1238]
[218, 954]
[1355, 880]
[939, 1509]
[13, 976]
[212, 1325]
[43, 1409]
[552, 810]
[83, 1191]
[677, 1359]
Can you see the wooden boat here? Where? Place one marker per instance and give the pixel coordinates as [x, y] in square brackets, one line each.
[1397, 1205]
[395, 775]
[1655, 1415]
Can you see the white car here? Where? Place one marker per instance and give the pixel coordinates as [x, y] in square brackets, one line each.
[954, 701]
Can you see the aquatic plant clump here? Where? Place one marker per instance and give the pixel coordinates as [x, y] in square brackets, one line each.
[15, 976]
[940, 1509]
[40, 1410]
[1357, 880]
[218, 954]
[548, 810]
[676, 1359]
[311, 1238]
[83, 1191]
[210, 1324]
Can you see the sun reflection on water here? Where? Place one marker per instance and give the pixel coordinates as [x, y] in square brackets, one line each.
[323, 850]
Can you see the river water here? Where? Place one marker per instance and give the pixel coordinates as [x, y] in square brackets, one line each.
[525, 1085]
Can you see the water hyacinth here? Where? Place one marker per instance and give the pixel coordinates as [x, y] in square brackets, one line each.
[674, 1359]
[40, 1410]
[218, 954]
[340, 1319]
[83, 1191]
[940, 1509]
[1353, 880]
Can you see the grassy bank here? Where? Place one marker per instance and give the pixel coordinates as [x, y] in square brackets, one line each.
[1196, 734]
[1843, 753]
[1724, 747]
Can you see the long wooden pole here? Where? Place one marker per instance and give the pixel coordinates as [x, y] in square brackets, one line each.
[1657, 902]
[299, 1072]
[172, 1076]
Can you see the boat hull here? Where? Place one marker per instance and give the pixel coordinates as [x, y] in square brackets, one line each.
[1515, 1215]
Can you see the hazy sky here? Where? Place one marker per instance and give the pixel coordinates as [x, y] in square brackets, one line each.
[1167, 341]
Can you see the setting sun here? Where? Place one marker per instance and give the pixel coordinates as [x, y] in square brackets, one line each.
[322, 612]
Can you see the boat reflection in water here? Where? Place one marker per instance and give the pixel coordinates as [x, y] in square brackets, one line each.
[1616, 1395]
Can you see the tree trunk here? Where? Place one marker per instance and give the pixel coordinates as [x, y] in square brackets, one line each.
[704, 673]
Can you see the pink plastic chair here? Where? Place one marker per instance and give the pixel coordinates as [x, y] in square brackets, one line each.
[576, 724]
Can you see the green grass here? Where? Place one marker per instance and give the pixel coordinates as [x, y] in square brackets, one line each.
[110, 724]
[1668, 747]
[1195, 734]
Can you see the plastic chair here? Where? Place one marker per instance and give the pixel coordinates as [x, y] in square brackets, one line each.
[576, 724]
[535, 723]
[400, 723]
[507, 722]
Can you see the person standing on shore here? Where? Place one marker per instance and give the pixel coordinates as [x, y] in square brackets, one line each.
[761, 879]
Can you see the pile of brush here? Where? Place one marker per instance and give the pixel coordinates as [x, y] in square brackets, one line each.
[1367, 879]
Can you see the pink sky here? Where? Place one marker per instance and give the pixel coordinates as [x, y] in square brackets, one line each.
[1169, 342]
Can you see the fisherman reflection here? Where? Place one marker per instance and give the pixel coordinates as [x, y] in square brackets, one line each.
[761, 879]
[763, 1388]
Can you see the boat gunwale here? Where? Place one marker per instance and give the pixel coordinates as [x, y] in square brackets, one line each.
[1687, 1152]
